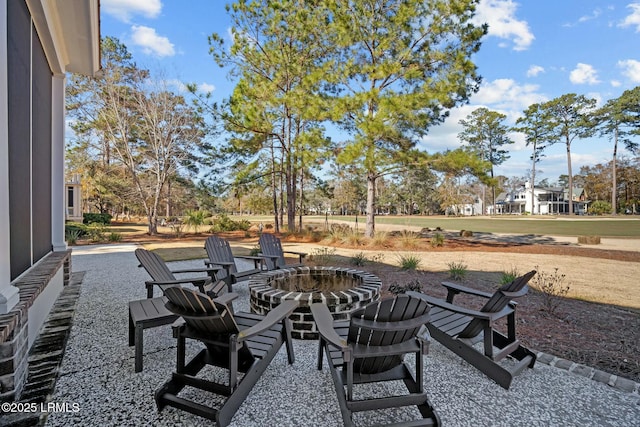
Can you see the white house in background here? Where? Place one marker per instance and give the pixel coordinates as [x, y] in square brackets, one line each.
[467, 209]
[546, 201]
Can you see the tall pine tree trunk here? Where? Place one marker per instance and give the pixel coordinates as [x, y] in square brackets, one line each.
[370, 229]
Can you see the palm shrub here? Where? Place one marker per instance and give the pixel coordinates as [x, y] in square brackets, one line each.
[195, 219]
[72, 236]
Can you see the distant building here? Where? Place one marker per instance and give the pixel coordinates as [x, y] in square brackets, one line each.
[73, 200]
[546, 201]
[467, 209]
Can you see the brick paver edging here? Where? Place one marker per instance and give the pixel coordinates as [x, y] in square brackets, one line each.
[620, 383]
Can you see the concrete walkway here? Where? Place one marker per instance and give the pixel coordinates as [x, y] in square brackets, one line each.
[97, 374]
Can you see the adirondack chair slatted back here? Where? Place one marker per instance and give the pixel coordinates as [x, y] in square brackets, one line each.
[219, 250]
[209, 318]
[497, 302]
[155, 266]
[399, 309]
[271, 246]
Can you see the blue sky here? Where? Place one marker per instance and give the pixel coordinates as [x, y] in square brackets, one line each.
[535, 51]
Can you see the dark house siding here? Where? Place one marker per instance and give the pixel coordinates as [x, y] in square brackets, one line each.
[41, 143]
[29, 132]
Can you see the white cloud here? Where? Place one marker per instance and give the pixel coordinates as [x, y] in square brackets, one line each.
[584, 74]
[534, 70]
[594, 15]
[630, 69]
[182, 88]
[502, 95]
[507, 95]
[632, 20]
[500, 15]
[151, 42]
[616, 83]
[206, 87]
[125, 9]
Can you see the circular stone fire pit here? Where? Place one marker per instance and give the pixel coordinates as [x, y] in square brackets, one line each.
[342, 289]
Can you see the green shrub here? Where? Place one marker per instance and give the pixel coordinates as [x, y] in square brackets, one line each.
[115, 237]
[457, 270]
[224, 223]
[72, 236]
[75, 227]
[95, 231]
[396, 289]
[509, 276]
[97, 218]
[359, 259]
[437, 240]
[409, 262]
[195, 219]
[600, 207]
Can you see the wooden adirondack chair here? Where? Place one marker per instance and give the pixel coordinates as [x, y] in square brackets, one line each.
[244, 344]
[370, 348]
[219, 253]
[151, 312]
[164, 278]
[459, 329]
[271, 250]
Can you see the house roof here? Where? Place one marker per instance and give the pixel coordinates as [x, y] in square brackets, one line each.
[70, 34]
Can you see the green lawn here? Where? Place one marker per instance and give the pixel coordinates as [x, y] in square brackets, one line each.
[560, 226]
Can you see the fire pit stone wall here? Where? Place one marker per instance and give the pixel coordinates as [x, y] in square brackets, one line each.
[265, 294]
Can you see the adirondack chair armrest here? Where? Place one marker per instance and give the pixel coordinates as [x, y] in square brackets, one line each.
[271, 257]
[301, 254]
[223, 264]
[520, 293]
[276, 315]
[324, 323]
[201, 280]
[257, 260]
[207, 270]
[455, 288]
[462, 310]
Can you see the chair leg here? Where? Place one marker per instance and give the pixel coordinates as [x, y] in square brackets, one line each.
[286, 337]
[138, 347]
[321, 344]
